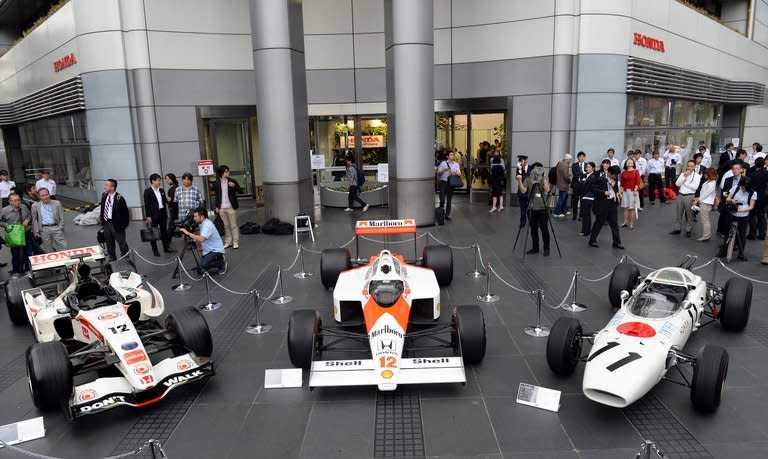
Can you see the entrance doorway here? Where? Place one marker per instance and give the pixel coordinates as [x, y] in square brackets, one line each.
[228, 142]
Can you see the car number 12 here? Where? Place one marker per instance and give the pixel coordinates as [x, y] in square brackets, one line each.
[388, 361]
[122, 328]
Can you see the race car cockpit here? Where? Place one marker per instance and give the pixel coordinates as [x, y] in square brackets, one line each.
[657, 300]
[386, 292]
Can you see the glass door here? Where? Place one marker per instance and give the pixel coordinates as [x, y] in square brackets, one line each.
[230, 142]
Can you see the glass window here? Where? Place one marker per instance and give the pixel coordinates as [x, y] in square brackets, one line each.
[647, 111]
[657, 301]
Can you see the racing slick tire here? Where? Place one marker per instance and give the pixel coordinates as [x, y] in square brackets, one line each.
[14, 301]
[624, 277]
[439, 258]
[737, 301]
[564, 346]
[708, 378]
[190, 332]
[50, 374]
[332, 263]
[469, 326]
[304, 327]
[119, 266]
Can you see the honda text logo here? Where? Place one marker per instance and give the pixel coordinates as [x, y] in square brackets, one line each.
[66, 61]
[648, 42]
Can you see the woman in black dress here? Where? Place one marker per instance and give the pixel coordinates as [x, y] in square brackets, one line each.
[173, 206]
[498, 177]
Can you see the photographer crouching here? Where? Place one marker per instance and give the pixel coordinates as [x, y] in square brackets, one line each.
[210, 242]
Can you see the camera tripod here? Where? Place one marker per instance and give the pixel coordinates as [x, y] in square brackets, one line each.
[528, 229]
[189, 246]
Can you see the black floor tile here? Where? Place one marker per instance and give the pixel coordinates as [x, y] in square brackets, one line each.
[590, 425]
[340, 429]
[519, 427]
[271, 431]
[457, 428]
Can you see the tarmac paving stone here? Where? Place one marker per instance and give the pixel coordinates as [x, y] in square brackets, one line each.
[457, 428]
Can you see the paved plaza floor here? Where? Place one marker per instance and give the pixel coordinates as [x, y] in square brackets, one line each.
[232, 415]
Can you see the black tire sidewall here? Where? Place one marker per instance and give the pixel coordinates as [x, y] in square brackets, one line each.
[303, 328]
[469, 325]
[332, 263]
[191, 332]
[737, 301]
[439, 258]
[559, 344]
[14, 301]
[708, 378]
[624, 277]
[50, 374]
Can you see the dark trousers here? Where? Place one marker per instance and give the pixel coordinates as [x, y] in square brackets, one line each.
[586, 215]
[724, 219]
[213, 260]
[354, 196]
[539, 219]
[655, 184]
[562, 202]
[742, 223]
[20, 257]
[36, 243]
[670, 177]
[757, 223]
[446, 194]
[606, 211]
[642, 198]
[112, 235]
[522, 200]
[165, 236]
[575, 199]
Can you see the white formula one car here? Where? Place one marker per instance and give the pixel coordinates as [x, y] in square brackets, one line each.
[392, 307]
[646, 336]
[100, 344]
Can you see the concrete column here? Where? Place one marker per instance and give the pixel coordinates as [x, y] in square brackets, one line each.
[564, 78]
[408, 35]
[277, 34]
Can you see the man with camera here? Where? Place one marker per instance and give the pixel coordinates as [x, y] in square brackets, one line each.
[210, 242]
[536, 187]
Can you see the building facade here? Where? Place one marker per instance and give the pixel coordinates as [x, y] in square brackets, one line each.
[126, 88]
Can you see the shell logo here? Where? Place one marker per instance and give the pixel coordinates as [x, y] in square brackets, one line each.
[387, 374]
[184, 365]
[109, 315]
[141, 369]
[86, 395]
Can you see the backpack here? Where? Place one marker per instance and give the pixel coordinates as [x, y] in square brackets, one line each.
[284, 229]
[440, 216]
[250, 228]
[360, 177]
[270, 226]
[552, 176]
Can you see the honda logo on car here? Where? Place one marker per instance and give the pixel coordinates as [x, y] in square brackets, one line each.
[182, 378]
[109, 315]
[63, 255]
[109, 401]
[386, 329]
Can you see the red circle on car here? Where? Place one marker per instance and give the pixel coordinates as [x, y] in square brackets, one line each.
[109, 315]
[141, 369]
[636, 329]
[184, 365]
[87, 394]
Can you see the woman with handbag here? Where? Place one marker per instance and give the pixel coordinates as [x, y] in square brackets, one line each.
[15, 220]
[449, 173]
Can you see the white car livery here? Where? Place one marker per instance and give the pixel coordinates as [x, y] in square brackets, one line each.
[646, 336]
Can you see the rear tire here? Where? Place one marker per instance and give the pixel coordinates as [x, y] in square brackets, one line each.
[50, 374]
[564, 346]
[624, 277]
[469, 328]
[708, 377]
[737, 301]
[304, 327]
[332, 263]
[191, 332]
[439, 258]
[15, 302]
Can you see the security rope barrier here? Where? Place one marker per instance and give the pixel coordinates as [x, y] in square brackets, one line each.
[155, 450]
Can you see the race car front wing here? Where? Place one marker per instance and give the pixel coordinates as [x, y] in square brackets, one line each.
[362, 372]
[110, 392]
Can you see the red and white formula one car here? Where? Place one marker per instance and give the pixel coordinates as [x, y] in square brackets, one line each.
[392, 308]
[100, 344]
[645, 338]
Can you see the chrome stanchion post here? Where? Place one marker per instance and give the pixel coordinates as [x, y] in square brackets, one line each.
[257, 328]
[488, 297]
[575, 306]
[282, 299]
[476, 273]
[538, 330]
[181, 286]
[211, 305]
[303, 274]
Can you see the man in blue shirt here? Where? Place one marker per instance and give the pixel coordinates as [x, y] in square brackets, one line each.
[210, 242]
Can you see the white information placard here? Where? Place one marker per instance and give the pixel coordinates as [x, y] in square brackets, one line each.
[317, 161]
[382, 172]
[538, 397]
[282, 378]
[736, 141]
[22, 431]
[205, 167]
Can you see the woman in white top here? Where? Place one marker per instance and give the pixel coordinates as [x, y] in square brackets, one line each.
[445, 170]
[740, 204]
[706, 200]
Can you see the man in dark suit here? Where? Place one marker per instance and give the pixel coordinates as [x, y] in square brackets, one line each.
[114, 219]
[578, 177]
[606, 201]
[587, 199]
[155, 210]
[758, 176]
[726, 158]
[523, 170]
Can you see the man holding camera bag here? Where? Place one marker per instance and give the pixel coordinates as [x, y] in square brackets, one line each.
[536, 187]
[210, 242]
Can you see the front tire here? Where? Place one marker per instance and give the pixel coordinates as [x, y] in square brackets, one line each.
[708, 377]
[469, 329]
[303, 337]
[332, 263]
[439, 258]
[50, 374]
[624, 277]
[564, 346]
[191, 332]
[737, 301]
[15, 302]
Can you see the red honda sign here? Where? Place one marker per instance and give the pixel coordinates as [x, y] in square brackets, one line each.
[66, 61]
[648, 42]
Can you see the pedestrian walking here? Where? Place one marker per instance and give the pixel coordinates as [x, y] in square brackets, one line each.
[156, 213]
[448, 169]
[354, 178]
[48, 222]
[16, 214]
[114, 219]
[225, 204]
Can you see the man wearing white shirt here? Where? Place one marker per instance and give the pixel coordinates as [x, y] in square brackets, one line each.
[655, 171]
[46, 182]
[688, 184]
[641, 164]
[6, 187]
[706, 160]
[757, 151]
[611, 156]
[672, 158]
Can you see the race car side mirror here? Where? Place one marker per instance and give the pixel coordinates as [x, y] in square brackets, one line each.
[624, 295]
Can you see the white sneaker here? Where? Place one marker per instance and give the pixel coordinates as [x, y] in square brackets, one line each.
[348, 209]
[227, 245]
[235, 246]
[365, 208]
[568, 212]
[492, 210]
[501, 208]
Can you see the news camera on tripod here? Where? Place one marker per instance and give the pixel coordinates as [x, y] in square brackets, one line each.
[211, 245]
[536, 186]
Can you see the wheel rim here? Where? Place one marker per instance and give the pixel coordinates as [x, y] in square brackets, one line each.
[575, 349]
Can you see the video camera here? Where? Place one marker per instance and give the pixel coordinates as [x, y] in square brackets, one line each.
[188, 223]
[733, 207]
[537, 175]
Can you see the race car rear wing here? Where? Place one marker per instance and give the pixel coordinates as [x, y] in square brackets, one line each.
[66, 257]
[384, 228]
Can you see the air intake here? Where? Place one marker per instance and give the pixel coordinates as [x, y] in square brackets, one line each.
[654, 79]
[61, 98]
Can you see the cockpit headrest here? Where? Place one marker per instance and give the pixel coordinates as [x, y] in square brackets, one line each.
[83, 271]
